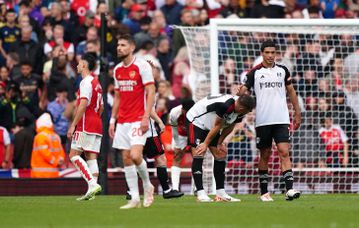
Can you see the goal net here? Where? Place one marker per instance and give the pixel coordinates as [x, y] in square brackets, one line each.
[323, 59]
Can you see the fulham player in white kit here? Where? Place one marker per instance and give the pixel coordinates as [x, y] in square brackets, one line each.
[270, 82]
[210, 120]
[86, 127]
[133, 102]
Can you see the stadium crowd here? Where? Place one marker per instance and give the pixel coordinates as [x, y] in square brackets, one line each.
[42, 41]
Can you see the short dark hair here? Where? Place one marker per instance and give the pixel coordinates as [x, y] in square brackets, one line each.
[128, 37]
[90, 59]
[25, 62]
[268, 43]
[10, 11]
[247, 101]
[187, 104]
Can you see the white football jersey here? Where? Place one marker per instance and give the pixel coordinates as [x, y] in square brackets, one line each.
[204, 113]
[269, 86]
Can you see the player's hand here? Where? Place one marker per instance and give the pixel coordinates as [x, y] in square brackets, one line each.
[60, 162]
[162, 127]
[297, 120]
[145, 124]
[239, 87]
[70, 132]
[201, 149]
[111, 130]
[6, 165]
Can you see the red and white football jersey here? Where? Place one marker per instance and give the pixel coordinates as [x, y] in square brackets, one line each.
[130, 82]
[177, 119]
[4, 141]
[333, 138]
[91, 90]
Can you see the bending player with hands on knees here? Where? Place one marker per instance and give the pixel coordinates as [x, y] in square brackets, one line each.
[210, 120]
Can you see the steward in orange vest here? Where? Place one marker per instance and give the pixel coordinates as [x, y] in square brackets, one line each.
[47, 152]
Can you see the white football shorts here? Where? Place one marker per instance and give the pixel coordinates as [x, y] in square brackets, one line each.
[129, 134]
[179, 142]
[82, 141]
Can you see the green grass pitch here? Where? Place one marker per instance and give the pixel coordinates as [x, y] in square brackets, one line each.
[332, 211]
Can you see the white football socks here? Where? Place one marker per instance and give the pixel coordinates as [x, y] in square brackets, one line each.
[93, 166]
[143, 172]
[175, 177]
[83, 168]
[132, 182]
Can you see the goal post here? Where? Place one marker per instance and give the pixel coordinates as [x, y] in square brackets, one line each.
[323, 59]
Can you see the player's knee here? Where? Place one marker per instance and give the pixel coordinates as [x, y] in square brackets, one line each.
[161, 161]
[74, 153]
[136, 158]
[126, 158]
[178, 155]
[284, 155]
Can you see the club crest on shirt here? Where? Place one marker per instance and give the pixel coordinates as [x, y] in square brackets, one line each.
[132, 74]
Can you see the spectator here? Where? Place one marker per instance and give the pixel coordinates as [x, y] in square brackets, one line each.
[69, 16]
[12, 106]
[46, 31]
[148, 52]
[180, 72]
[307, 85]
[172, 11]
[228, 76]
[23, 141]
[324, 88]
[57, 110]
[60, 76]
[31, 86]
[142, 35]
[9, 33]
[4, 76]
[133, 21]
[240, 142]
[154, 33]
[13, 64]
[58, 40]
[57, 18]
[350, 63]
[336, 143]
[5, 148]
[233, 8]
[159, 19]
[102, 7]
[82, 30]
[24, 21]
[351, 91]
[164, 55]
[336, 77]
[25, 8]
[329, 7]
[203, 18]
[344, 116]
[47, 153]
[91, 34]
[178, 39]
[29, 50]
